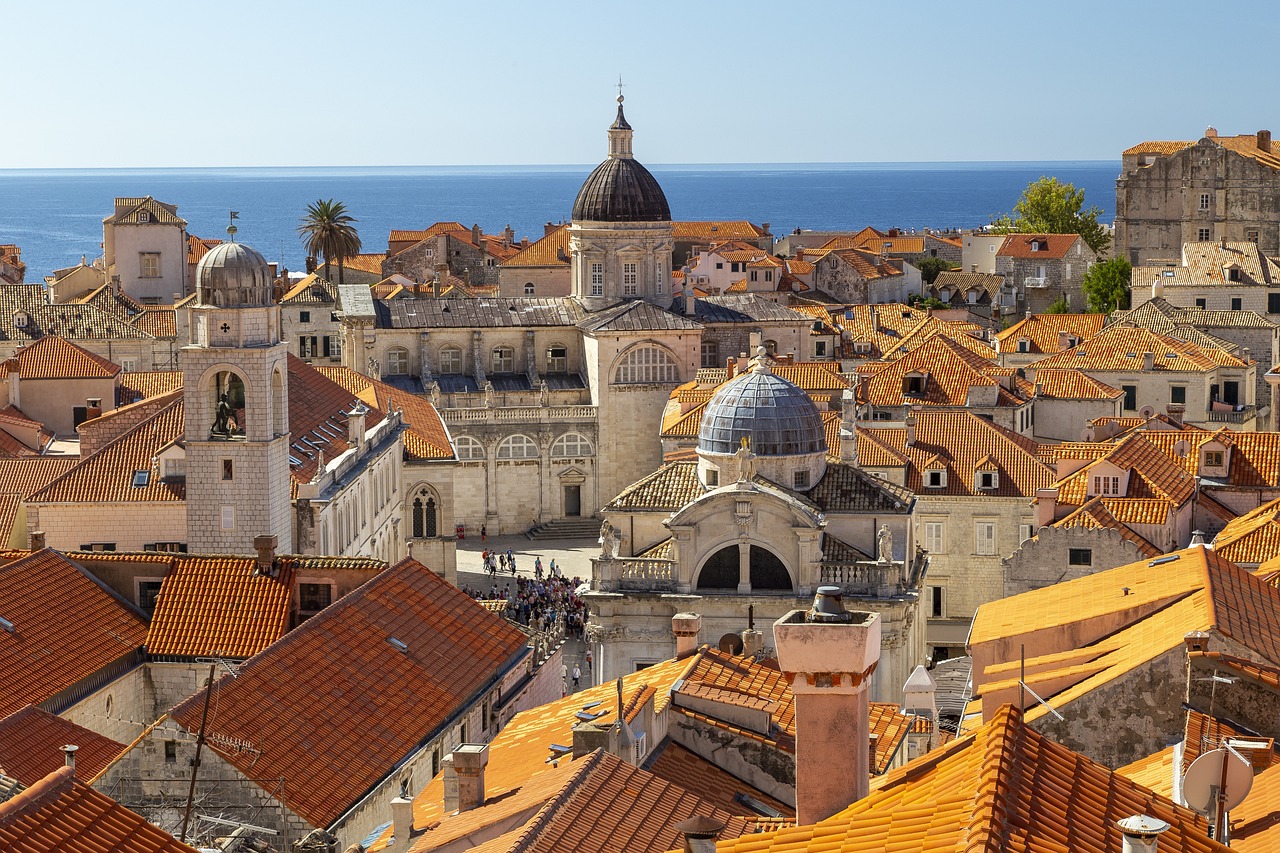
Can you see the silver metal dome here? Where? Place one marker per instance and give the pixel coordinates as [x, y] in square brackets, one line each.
[233, 275]
[778, 417]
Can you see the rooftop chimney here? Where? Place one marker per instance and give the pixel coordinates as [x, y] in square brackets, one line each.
[1196, 641]
[690, 301]
[1197, 537]
[848, 427]
[1064, 339]
[1264, 141]
[70, 751]
[911, 430]
[756, 340]
[266, 546]
[464, 777]
[401, 824]
[355, 425]
[973, 267]
[1176, 411]
[548, 228]
[742, 362]
[1046, 507]
[1157, 288]
[828, 654]
[752, 642]
[700, 833]
[686, 627]
[1211, 132]
[441, 271]
[476, 234]
[1141, 833]
[37, 540]
[1148, 360]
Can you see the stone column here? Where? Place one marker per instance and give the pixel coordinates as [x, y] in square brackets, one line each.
[424, 359]
[531, 360]
[477, 358]
[744, 566]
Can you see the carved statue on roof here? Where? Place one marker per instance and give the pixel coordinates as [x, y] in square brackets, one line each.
[222, 418]
[608, 541]
[884, 544]
[746, 461]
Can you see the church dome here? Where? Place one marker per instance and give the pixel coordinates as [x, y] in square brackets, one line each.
[233, 275]
[620, 189]
[777, 416]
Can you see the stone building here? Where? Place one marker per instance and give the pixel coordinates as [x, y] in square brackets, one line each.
[1219, 188]
[144, 246]
[750, 530]
[1043, 268]
[309, 320]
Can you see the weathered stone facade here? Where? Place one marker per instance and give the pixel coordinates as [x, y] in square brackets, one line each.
[1045, 560]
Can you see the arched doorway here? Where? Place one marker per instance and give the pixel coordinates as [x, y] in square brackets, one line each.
[425, 524]
[720, 571]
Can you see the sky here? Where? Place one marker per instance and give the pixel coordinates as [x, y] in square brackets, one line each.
[148, 84]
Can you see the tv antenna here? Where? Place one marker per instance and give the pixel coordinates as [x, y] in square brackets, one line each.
[1022, 683]
[1215, 783]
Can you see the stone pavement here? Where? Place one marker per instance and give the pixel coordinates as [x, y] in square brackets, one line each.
[573, 558]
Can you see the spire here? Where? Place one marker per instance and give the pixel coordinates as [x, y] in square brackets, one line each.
[620, 132]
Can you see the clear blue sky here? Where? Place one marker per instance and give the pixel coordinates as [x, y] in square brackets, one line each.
[147, 84]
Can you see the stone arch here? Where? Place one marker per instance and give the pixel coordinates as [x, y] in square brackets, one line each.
[424, 512]
[572, 445]
[216, 380]
[644, 363]
[518, 446]
[720, 570]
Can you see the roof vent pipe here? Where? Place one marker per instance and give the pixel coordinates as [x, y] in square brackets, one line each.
[700, 833]
[70, 751]
[1141, 833]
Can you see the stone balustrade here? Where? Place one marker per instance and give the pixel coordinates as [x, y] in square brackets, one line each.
[520, 414]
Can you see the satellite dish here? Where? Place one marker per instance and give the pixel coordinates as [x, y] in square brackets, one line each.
[1182, 448]
[1147, 411]
[1205, 775]
[1087, 434]
[732, 644]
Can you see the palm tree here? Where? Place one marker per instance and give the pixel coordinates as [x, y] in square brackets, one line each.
[327, 230]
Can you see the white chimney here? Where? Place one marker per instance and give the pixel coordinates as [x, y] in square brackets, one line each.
[464, 777]
[756, 340]
[848, 428]
[752, 642]
[690, 301]
[1148, 360]
[355, 426]
[686, 627]
[918, 694]
[15, 384]
[401, 824]
[70, 751]
[1141, 833]
[828, 655]
[743, 364]
[1046, 507]
[1157, 288]
[911, 430]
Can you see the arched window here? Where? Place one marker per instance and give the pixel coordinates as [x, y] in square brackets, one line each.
[450, 360]
[469, 448]
[571, 445]
[721, 571]
[528, 288]
[424, 516]
[397, 361]
[647, 364]
[230, 421]
[504, 360]
[518, 447]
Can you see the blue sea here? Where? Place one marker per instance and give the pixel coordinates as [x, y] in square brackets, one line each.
[55, 215]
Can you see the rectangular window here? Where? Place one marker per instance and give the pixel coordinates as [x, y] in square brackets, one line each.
[1251, 234]
[629, 278]
[99, 546]
[1205, 199]
[1236, 303]
[713, 477]
[988, 480]
[1204, 235]
[801, 479]
[935, 479]
[597, 279]
[984, 538]
[557, 360]
[1273, 303]
[1130, 397]
[148, 592]
[937, 608]
[820, 349]
[228, 518]
[735, 267]
[171, 752]
[314, 597]
[1200, 303]
[719, 265]
[1213, 458]
[1106, 485]
[933, 538]
[755, 275]
[148, 264]
[1079, 556]
[1025, 532]
[228, 469]
[711, 354]
[304, 316]
[306, 346]
[327, 342]
[1178, 394]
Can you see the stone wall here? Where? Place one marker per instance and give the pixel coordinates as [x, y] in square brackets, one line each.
[546, 281]
[761, 765]
[1043, 561]
[121, 709]
[128, 526]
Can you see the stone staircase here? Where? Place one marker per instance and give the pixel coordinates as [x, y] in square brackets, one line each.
[585, 527]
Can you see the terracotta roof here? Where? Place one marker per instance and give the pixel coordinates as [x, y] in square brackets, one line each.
[1050, 245]
[674, 763]
[962, 438]
[959, 283]
[1097, 514]
[949, 370]
[426, 437]
[64, 814]
[128, 210]
[1044, 331]
[1159, 315]
[31, 741]
[411, 236]
[198, 247]
[1253, 538]
[28, 475]
[54, 357]
[1005, 787]
[159, 322]
[717, 230]
[551, 251]
[67, 627]
[669, 488]
[1245, 144]
[1066, 384]
[311, 290]
[325, 750]
[1121, 348]
[30, 304]
[220, 607]
[367, 263]
[847, 488]
[1151, 473]
[147, 383]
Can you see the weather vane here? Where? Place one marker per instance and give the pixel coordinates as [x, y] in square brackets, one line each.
[232, 229]
[619, 88]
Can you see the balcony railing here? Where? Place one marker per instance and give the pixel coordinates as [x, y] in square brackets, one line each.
[1244, 416]
[519, 414]
[640, 573]
[1035, 281]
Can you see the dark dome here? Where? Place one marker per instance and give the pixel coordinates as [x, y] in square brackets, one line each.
[778, 417]
[621, 190]
[233, 275]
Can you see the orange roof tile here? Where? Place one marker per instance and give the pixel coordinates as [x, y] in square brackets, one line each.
[28, 475]
[1121, 348]
[949, 370]
[198, 247]
[426, 438]
[1050, 245]
[220, 607]
[147, 383]
[1096, 514]
[1151, 473]
[368, 263]
[67, 627]
[1245, 144]
[31, 741]
[55, 357]
[64, 814]
[1043, 331]
[1253, 538]
[717, 230]
[1004, 788]
[324, 750]
[158, 322]
[1062, 384]
[411, 236]
[551, 251]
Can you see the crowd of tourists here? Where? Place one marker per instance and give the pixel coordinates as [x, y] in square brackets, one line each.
[538, 601]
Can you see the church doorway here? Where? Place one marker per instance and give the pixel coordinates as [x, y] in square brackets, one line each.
[573, 501]
[720, 571]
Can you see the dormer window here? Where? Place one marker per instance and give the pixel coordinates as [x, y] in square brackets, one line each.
[913, 384]
[936, 479]
[144, 217]
[988, 480]
[1024, 345]
[1232, 273]
[1214, 459]
[20, 319]
[1035, 245]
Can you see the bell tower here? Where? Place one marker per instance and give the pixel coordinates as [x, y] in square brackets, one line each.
[235, 377]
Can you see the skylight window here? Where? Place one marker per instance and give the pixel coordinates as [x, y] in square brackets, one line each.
[1160, 561]
[398, 645]
[6, 625]
[141, 478]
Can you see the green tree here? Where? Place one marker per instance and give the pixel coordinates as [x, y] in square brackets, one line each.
[924, 303]
[1051, 207]
[1059, 306]
[1106, 285]
[931, 267]
[329, 231]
